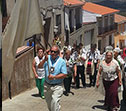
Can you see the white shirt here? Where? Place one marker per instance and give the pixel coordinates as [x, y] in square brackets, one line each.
[70, 64]
[109, 72]
[40, 71]
[120, 60]
[95, 56]
[79, 61]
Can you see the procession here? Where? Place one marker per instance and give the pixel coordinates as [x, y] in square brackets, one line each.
[79, 64]
[58, 71]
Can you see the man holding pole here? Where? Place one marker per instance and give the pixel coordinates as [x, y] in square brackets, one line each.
[55, 72]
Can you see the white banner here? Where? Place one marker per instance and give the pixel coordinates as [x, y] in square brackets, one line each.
[25, 21]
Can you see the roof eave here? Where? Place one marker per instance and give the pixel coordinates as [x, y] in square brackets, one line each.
[111, 13]
[74, 5]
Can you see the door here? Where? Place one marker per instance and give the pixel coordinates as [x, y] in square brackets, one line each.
[122, 44]
[87, 39]
[47, 30]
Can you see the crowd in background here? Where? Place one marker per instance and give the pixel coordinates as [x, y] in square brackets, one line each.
[81, 62]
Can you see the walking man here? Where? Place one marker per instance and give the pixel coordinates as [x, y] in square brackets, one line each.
[55, 72]
[80, 60]
[94, 54]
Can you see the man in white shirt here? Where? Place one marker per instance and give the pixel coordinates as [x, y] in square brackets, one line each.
[80, 60]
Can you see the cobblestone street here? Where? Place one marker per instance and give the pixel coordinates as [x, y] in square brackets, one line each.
[83, 100]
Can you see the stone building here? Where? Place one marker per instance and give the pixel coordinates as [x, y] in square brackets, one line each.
[105, 23]
[120, 35]
[90, 28]
[79, 28]
[73, 21]
[53, 19]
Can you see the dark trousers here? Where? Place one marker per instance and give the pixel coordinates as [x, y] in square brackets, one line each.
[80, 71]
[91, 78]
[124, 90]
[95, 74]
[67, 83]
[111, 93]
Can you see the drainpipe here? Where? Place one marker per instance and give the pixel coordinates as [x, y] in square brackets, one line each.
[34, 45]
[9, 87]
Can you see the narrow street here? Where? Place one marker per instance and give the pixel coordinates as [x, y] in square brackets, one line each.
[83, 100]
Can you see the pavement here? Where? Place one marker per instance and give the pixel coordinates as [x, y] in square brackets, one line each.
[84, 99]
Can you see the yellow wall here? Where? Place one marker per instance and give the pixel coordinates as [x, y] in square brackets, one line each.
[118, 38]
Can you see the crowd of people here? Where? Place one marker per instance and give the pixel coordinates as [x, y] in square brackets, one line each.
[56, 68]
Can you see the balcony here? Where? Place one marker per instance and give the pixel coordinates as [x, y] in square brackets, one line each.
[71, 29]
[78, 26]
[103, 30]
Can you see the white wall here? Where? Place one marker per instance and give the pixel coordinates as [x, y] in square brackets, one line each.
[67, 27]
[88, 16]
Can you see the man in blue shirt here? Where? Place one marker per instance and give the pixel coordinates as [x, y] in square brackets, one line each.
[55, 72]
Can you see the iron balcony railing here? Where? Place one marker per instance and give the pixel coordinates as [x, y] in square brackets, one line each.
[77, 27]
[102, 30]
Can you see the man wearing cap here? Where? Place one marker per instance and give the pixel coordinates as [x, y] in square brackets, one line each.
[118, 57]
[122, 65]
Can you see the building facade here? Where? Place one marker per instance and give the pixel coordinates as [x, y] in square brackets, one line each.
[73, 21]
[53, 19]
[90, 29]
[79, 26]
[105, 23]
[120, 35]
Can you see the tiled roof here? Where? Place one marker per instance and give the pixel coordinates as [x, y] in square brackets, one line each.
[98, 9]
[119, 18]
[73, 2]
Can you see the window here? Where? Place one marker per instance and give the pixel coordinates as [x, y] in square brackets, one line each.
[70, 21]
[121, 28]
[99, 22]
[111, 19]
[99, 44]
[125, 27]
[100, 29]
[58, 23]
[106, 20]
[80, 38]
[77, 17]
[122, 44]
[106, 23]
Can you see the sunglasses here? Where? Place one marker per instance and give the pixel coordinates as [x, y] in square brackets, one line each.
[53, 51]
